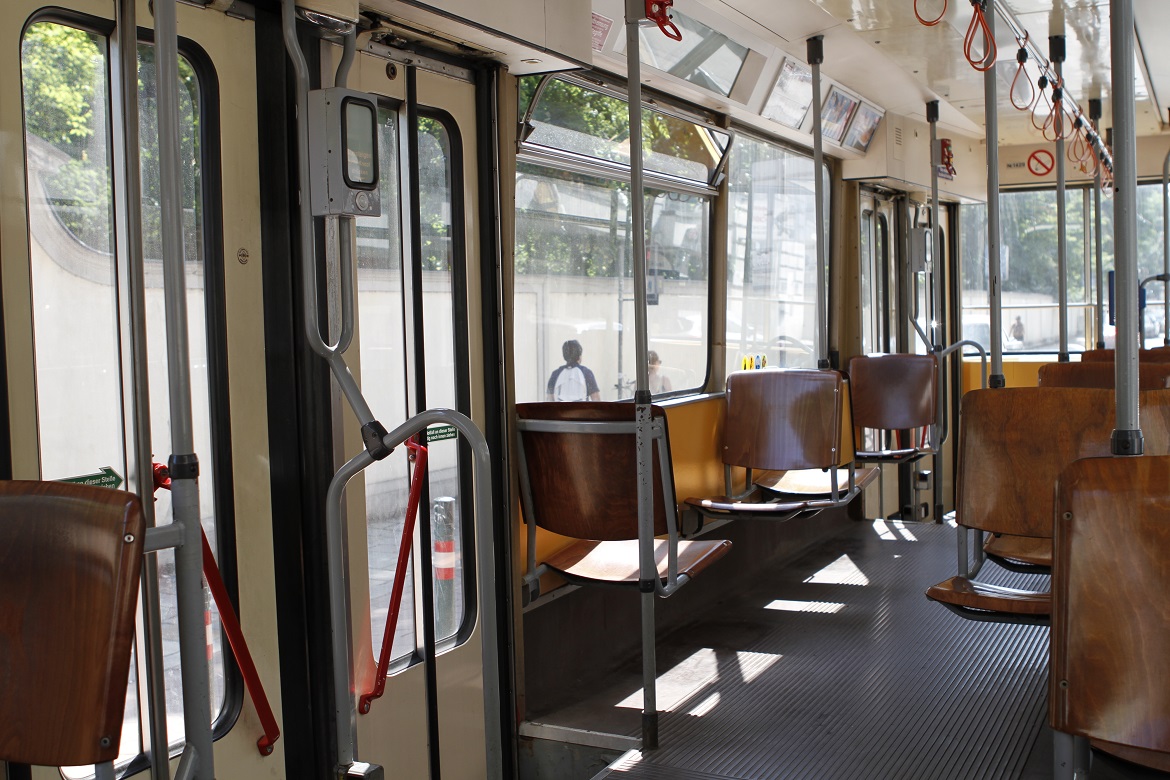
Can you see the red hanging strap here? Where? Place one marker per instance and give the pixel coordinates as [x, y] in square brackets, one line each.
[986, 61]
[657, 12]
[931, 22]
[418, 454]
[1021, 70]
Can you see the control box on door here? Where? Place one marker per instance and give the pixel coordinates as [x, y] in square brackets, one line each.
[343, 153]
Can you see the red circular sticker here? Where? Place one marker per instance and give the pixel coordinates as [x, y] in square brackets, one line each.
[1041, 162]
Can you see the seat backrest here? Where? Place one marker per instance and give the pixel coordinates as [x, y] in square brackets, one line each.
[1013, 443]
[1151, 376]
[894, 392]
[1110, 615]
[783, 418]
[584, 482]
[1155, 355]
[70, 558]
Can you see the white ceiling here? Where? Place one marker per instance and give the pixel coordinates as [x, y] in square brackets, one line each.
[933, 55]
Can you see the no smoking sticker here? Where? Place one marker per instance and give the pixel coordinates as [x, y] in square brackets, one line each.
[1041, 162]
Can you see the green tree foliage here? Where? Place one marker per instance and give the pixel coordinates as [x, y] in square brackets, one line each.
[64, 73]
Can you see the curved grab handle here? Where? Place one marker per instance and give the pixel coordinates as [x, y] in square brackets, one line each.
[345, 706]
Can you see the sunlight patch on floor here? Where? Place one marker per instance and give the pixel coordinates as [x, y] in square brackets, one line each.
[820, 607]
[679, 685]
[842, 571]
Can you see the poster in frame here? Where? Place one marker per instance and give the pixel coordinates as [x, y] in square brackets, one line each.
[792, 94]
[861, 130]
[835, 116]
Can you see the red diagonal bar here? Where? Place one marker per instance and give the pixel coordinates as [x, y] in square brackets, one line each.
[231, 627]
[418, 454]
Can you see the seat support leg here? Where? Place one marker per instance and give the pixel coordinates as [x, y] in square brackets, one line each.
[649, 676]
[104, 771]
[1070, 757]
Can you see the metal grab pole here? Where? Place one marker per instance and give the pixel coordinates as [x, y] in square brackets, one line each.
[1095, 116]
[991, 109]
[1165, 247]
[1056, 53]
[936, 291]
[816, 56]
[1127, 436]
[183, 464]
[126, 122]
[647, 568]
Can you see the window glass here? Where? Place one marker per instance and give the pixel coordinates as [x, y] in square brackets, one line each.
[70, 203]
[869, 306]
[385, 376]
[381, 319]
[76, 302]
[772, 255]
[574, 118]
[1028, 272]
[704, 57]
[436, 186]
[574, 298]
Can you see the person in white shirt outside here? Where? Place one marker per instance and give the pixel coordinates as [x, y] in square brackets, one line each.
[573, 381]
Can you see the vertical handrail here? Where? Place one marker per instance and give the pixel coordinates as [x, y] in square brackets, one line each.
[183, 464]
[647, 569]
[1127, 436]
[991, 109]
[1098, 242]
[1165, 245]
[1056, 54]
[126, 118]
[816, 56]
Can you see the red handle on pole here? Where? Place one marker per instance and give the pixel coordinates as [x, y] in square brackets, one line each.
[656, 11]
[418, 454]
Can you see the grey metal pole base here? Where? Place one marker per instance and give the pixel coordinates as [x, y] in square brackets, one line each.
[360, 770]
[1070, 757]
[649, 730]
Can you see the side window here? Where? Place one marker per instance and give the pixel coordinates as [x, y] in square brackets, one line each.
[574, 296]
[771, 254]
[386, 325]
[79, 310]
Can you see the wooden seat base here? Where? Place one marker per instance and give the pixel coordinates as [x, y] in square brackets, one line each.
[616, 562]
[812, 482]
[1153, 759]
[1026, 554]
[992, 603]
[908, 455]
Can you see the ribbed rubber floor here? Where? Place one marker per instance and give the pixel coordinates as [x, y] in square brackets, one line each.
[837, 666]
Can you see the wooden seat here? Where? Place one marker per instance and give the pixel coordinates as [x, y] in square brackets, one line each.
[1020, 553]
[1155, 355]
[1111, 620]
[1013, 442]
[70, 557]
[896, 393]
[786, 424]
[578, 474]
[1151, 375]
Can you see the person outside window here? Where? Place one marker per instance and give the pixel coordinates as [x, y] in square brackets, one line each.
[1017, 330]
[573, 381]
[659, 383]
